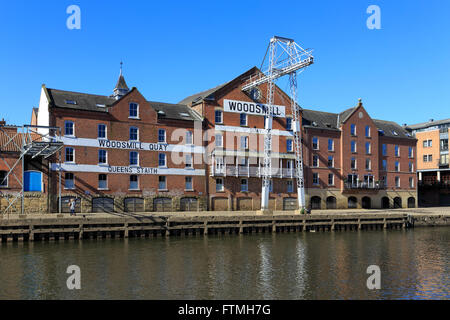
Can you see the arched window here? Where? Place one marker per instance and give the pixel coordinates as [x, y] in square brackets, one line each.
[315, 202]
[331, 202]
[352, 202]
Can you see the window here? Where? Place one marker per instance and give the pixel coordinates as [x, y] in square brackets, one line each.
[368, 148]
[102, 158]
[353, 129]
[397, 182]
[315, 161]
[367, 131]
[315, 178]
[188, 183]
[244, 162]
[244, 185]
[270, 186]
[330, 145]
[134, 185]
[384, 165]
[102, 181]
[397, 151]
[188, 137]
[368, 164]
[218, 116]
[397, 166]
[134, 134]
[68, 180]
[384, 149]
[444, 144]
[331, 179]
[69, 155]
[218, 140]
[219, 184]
[162, 183]
[189, 161]
[134, 158]
[162, 160]
[353, 163]
[3, 179]
[244, 142]
[289, 146]
[430, 157]
[290, 186]
[288, 124]
[411, 182]
[410, 166]
[330, 162]
[69, 128]
[134, 110]
[101, 131]
[243, 119]
[425, 143]
[161, 135]
[315, 143]
[410, 152]
[430, 143]
[353, 146]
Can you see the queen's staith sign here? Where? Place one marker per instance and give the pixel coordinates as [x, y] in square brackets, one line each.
[252, 108]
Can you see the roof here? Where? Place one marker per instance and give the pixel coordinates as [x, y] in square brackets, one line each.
[175, 111]
[319, 119]
[80, 101]
[392, 129]
[92, 102]
[121, 84]
[344, 115]
[427, 124]
[201, 95]
[329, 121]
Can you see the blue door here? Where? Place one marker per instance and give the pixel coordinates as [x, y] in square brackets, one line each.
[32, 181]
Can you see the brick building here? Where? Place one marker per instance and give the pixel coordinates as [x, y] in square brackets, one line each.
[124, 153]
[432, 161]
[350, 159]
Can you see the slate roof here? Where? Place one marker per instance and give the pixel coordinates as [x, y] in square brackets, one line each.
[332, 121]
[319, 119]
[89, 102]
[84, 101]
[175, 111]
[201, 95]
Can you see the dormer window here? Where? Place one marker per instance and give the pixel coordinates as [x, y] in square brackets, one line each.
[134, 110]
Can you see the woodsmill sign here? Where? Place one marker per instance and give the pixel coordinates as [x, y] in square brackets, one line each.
[252, 108]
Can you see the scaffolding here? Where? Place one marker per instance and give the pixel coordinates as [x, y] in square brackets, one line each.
[28, 140]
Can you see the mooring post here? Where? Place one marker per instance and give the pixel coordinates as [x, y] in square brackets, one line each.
[31, 235]
[167, 227]
[205, 228]
[384, 223]
[80, 231]
[332, 225]
[274, 226]
[125, 230]
[359, 224]
[241, 228]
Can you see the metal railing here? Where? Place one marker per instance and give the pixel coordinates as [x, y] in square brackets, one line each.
[247, 171]
[375, 185]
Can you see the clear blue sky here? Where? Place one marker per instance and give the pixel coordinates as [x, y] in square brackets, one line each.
[172, 49]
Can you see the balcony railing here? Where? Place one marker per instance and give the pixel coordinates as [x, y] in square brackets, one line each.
[243, 171]
[375, 185]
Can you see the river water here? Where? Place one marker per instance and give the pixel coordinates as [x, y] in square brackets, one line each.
[414, 264]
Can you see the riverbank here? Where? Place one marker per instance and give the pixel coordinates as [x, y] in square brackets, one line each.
[123, 225]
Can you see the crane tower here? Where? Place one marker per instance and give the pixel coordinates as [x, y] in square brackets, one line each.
[285, 58]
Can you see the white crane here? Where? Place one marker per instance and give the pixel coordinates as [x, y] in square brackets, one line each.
[291, 58]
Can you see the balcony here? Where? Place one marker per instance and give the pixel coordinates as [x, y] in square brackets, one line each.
[362, 185]
[243, 171]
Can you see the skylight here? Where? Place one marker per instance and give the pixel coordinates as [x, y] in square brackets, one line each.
[100, 105]
[394, 133]
[184, 114]
[71, 102]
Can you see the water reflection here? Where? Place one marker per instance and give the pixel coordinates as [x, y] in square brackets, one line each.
[414, 265]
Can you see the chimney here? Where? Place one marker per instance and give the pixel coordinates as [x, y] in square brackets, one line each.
[3, 122]
[431, 120]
